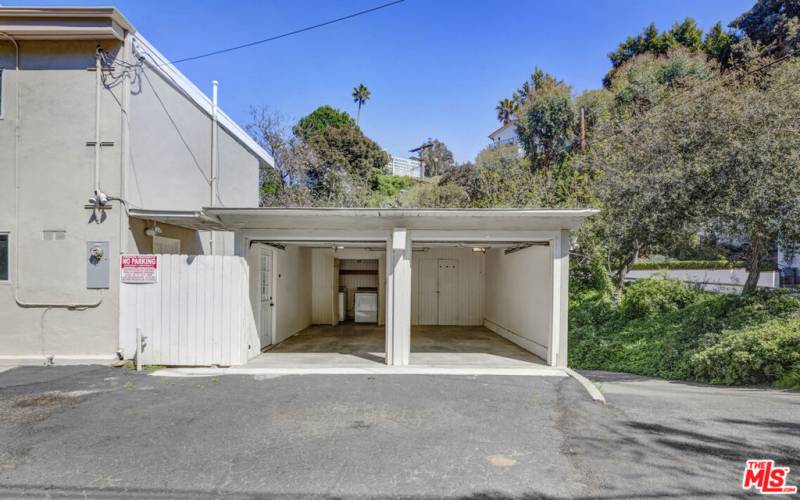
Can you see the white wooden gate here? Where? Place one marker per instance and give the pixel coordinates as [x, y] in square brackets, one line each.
[197, 314]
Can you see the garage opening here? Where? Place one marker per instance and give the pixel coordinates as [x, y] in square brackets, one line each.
[479, 303]
[319, 303]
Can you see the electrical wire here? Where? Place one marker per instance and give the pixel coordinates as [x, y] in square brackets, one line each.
[283, 35]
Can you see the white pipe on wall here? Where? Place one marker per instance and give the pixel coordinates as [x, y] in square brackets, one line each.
[16, 278]
[214, 153]
[98, 67]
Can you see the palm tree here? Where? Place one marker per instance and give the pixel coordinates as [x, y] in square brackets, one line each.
[505, 110]
[360, 95]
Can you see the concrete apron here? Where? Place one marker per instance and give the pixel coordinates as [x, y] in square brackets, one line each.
[537, 371]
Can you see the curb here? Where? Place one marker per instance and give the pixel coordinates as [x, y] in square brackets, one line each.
[379, 370]
[587, 384]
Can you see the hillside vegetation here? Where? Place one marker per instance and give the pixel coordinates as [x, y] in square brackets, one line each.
[665, 328]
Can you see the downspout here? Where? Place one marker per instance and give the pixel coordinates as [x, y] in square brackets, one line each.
[214, 147]
[98, 68]
[17, 277]
[125, 150]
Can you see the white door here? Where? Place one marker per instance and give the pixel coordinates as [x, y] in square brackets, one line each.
[427, 297]
[267, 303]
[448, 291]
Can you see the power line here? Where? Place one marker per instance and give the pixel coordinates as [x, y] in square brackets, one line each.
[283, 35]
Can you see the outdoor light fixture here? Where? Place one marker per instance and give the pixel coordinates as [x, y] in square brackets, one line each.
[478, 249]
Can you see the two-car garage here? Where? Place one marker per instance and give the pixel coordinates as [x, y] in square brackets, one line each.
[353, 287]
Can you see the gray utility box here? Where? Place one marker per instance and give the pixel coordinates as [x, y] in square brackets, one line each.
[98, 266]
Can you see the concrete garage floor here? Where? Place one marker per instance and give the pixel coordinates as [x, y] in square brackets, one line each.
[363, 345]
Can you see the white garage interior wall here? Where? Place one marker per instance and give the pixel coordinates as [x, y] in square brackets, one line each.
[510, 294]
[322, 285]
[424, 284]
[519, 297]
[292, 291]
[324, 280]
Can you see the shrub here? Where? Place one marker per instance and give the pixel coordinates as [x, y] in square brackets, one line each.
[790, 379]
[391, 185]
[660, 326]
[754, 355]
[657, 295]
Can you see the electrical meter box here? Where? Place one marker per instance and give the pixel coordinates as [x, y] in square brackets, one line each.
[98, 265]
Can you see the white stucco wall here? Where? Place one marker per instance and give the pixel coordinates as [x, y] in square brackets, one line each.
[57, 103]
[519, 294]
[56, 178]
[735, 277]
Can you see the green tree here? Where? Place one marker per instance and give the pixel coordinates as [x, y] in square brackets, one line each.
[505, 179]
[467, 176]
[724, 161]
[546, 128]
[436, 159]
[772, 23]
[435, 195]
[718, 44]
[360, 96]
[321, 119]
[646, 80]
[685, 34]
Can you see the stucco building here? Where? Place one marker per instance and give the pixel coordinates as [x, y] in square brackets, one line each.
[137, 130]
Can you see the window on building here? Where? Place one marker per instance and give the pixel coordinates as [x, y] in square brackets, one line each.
[4, 257]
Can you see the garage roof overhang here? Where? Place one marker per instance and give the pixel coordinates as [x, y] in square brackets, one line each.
[387, 219]
[232, 219]
[190, 219]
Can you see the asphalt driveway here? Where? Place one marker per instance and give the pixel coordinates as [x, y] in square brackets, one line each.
[96, 432]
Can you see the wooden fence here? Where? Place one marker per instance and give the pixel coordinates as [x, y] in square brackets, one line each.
[197, 314]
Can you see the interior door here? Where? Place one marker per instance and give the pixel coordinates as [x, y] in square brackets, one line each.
[267, 302]
[427, 296]
[448, 291]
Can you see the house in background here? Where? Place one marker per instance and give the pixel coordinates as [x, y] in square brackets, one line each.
[136, 130]
[506, 135]
[404, 166]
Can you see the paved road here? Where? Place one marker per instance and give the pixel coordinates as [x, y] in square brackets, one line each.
[95, 432]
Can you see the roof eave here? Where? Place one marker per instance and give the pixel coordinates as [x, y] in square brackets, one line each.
[41, 23]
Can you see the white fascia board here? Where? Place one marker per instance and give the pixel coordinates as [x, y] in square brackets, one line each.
[157, 61]
[64, 23]
[420, 219]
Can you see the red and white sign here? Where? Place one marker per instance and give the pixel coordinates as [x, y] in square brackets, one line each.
[138, 268]
[767, 478]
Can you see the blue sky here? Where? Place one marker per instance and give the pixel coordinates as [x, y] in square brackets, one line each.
[435, 68]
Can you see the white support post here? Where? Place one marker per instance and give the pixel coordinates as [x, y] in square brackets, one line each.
[557, 353]
[398, 298]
